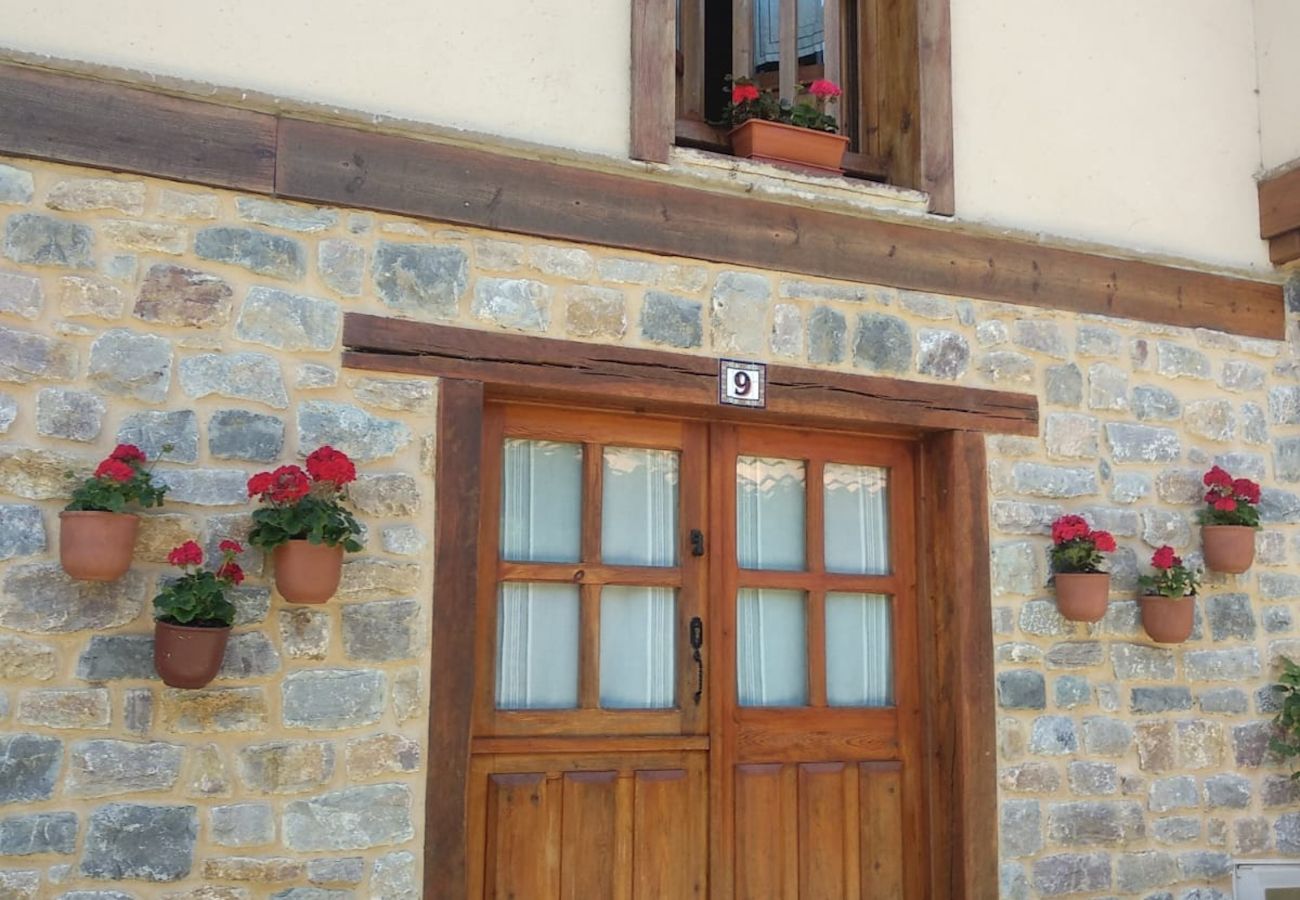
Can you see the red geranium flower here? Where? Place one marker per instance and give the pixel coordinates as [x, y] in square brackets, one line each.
[231, 572]
[1223, 504]
[1217, 477]
[127, 453]
[328, 464]
[229, 546]
[290, 483]
[1164, 558]
[187, 554]
[822, 89]
[1068, 528]
[260, 484]
[743, 93]
[1103, 541]
[115, 470]
[1245, 489]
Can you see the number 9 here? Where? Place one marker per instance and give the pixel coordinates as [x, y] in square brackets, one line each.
[742, 383]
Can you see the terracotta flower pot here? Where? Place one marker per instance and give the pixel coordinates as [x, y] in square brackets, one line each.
[307, 572]
[1228, 548]
[1167, 619]
[186, 656]
[780, 143]
[96, 546]
[1082, 596]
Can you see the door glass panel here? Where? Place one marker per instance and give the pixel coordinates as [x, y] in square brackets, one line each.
[537, 646]
[770, 513]
[639, 508]
[859, 650]
[637, 625]
[541, 501]
[772, 654]
[857, 520]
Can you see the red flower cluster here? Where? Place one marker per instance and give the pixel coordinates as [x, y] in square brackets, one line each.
[823, 89]
[114, 470]
[285, 485]
[1164, 558]
[187, 554]
[328, 464]
[1074, 528]
[231, 572]
[127, 453]
[743, 93]
[1224, 491]
[229, 546]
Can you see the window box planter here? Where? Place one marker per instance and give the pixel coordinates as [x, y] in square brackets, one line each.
[776, 142]
[96, 545]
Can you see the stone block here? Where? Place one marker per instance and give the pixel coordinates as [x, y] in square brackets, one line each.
[184, 298]
[386, 495]
[1142, 443]
[214, 710]
[1129, 487]
[381, 631]
[403, 540]
[1091, 823]
[257, 870]
[419, 278]
[1015, 568]
[37, 240]
[1142, 662]
[20, 884]
[1041, 337]
[1213, 420]
[342, 266]
[131, 364]
[1222, 665]
[882, 344]
[1021, 689]
[1071, 436]
[40, 597]
[137, 710]
[1176, 829]
[1230, 616]
[243, 825]
[85, 708]
[517, 303]
[1177, 792]
[1156, 745]
[595, 312]
[288, 321]
[1227, 790]
[1152, 403]
[206, 774]
[1071, 691]
[22, 533]
[134, 841]
[941, 354]
[1160, 699]
[16, 185]
[671, 320]
[286, 767]
[1006, 367]
[46, 832]
[382, 754]
[103, 768]
[1176, 361]
[288, 216]
[926, 306]
[304, 633]
[1107, 387]
[738, 311]
[336, 870]
[993, 333]
[408, 695]
[1030, 778]
[367, 578]
[249, 655]
[20, 295]
[71, 415]
[1204, 865]
[394, 877]
[324, 699]
[26, 357]
[1095, 340]
[188, 205]
[827, 329]
[632, 271]
[1041, 617]
[29, 767]
[1053, 736]
[205, 487]
[240, 434]
[22, 659]
[1136, 872]
[1038, 480]
[562, 262]
[349, 428]
[151, 429]
[1200, 744]
[1071, 873]
[1064, 386]
[78, 194]
[354, 818]
[254, 250]
[1075, 655]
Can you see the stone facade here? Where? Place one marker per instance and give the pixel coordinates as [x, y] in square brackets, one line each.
[155, 312]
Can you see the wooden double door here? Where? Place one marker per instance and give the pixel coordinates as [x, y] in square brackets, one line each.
[695, 662]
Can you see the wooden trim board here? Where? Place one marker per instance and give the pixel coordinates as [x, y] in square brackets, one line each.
[63, 118]
[1279, 203]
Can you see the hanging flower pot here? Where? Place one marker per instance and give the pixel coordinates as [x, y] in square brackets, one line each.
[1082, 588]
[96, 545]
[305, 525]
[1169, 602]
[1229, 521]
[802, 134]
[193, 617]
[307, 572]
[96, 538]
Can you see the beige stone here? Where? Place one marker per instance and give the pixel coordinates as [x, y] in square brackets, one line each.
[206, 774]
[40, 474]
[155, 237]
[382, 754]
[214, 709]
[375, 579]
[161, 533]
[266, 870]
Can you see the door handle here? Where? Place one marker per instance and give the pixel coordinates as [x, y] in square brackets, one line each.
[697, 642]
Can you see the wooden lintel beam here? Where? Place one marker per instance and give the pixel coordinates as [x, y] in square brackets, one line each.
[1284, 248]
[1279, 203]
[632, 378]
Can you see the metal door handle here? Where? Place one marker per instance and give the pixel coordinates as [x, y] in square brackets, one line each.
[697, 642]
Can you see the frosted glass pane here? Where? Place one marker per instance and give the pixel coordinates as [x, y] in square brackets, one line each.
[857, 519]
[537, 646]
[770, 513]
[639, 508]
[637, 627]
[772, 648]
[859, 650]
[541, 501]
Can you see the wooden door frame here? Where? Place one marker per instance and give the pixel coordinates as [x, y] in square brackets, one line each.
[954, 594]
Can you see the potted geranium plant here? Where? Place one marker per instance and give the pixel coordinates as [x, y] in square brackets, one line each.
[768, 128]
[305, 524]
[1082, 586]
[96, 533]
[1168, 597]
[192, 616]
[1229, 521]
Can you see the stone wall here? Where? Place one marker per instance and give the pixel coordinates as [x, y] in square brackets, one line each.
[137, 309]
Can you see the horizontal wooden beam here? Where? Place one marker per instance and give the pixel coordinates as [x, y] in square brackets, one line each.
[1279, 203]
[1284, 248]
[94, 123]
[522, 367]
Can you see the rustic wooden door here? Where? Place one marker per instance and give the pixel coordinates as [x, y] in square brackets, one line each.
[691, 657]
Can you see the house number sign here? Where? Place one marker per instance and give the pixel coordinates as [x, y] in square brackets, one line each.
[742, 383]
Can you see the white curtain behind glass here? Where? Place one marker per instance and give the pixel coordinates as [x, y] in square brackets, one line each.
[772, 648]
[859, 650]
[856, 515]
[767, 29]
[770, 513]
[541, 501]
[639, 507]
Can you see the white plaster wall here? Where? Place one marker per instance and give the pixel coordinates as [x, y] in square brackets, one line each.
[1128, 123]
[1277, 35]
[552, 71]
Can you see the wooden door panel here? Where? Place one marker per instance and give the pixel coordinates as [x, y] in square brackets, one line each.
[523, 858]
[881, 829]
[670, 844]
[764, 834]
[823, 822]
[589, 814]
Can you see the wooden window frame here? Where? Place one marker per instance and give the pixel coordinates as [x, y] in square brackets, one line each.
[954, 591]
[904, 126]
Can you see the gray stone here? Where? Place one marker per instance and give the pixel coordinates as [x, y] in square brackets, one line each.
[204, 487]
[44, 241]
[633, 271]
[1084, 823]
[1014, 517]
[927, 306]
[1223, 700]
[1015, 568]
[1107, 387]
[1142, 662]
[1161, 699]
[1071, 873]
[40, 597]
[1180, 486]
[1160, 527]
[1176, 829]
[1040, 480]
[1071, 691]
[1064, 385]
[25, 356]
[338, 870]
[1242, 464]
[738, 308]
[54, 832]
[312, 376]
[394, 877]
[1006, 367]
[354, 818]
[1286, 459]
[79, 194]
[1142, 443]
[288, 321]
[1017, 652]
[882, 343]
[513, 303]
[1071, 436]
[1222, 665]
[1094, 340]
[1284, 405]
[1053, 736]
[29, 767]
[1104, 736]
[349, 428]
[152, 237]
[151, 429]
[251, 604]
[562, 262]
[1075, 655]
[1277, 619]
[21, 884]
[941, 354]
[1093, 778]
[65, 708]
[110, 657]
[381, 631]
[187, 298]
[1129, 487]
[341, 265]
[1250, 743]
[249, 248]
[1178, 792]
[385, 496]
[239, 434]
[239, 376]
[1041, 337]
[1254, 428]
[826, 333]
[418, 278]
[1151, 403]
[992, 333]
[1021, 830]
[8, 408]
[132, 364]
[1241, 376]
[1030, 777]
[102, 768]
[249, 655]
[1210, 419]
[20, 295]
[1227, 790]
[22, 533]
[71, 415]
[595, 312]
[1176, 361]
[1021, 689]
[243, 825]
[137, 710]
[187, 205]
[672, 320]
[1121, 522]
[1251, 835]
[381, 754]
[133, 841]
[304, 633]
[1287, 829]
[290, 217]
[332, 698]
[16, 185]
[1279, 507]
[286, 767]
[1279, 790]
[403, 540]
[1142, 871]
[1230, 616]
[1040, 617]
[311, 893]
[408, 695]
[1200, 864]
